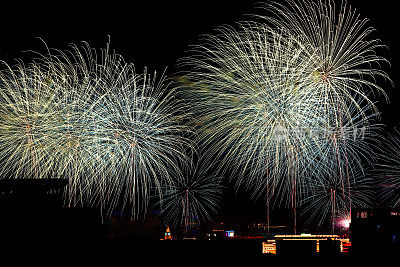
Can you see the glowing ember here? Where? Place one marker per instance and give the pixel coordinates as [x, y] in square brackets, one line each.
[345, 223]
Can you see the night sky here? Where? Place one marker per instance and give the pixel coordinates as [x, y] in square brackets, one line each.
[156, 33]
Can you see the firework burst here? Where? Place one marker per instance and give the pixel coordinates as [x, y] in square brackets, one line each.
[91, 118]
[35, 122]
[192, 198]
[281, 101]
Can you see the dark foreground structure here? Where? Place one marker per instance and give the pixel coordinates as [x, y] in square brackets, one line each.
[189, 248]
[288, 248]
[33, 212]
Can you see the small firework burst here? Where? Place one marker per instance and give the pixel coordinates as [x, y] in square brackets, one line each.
[192, 198]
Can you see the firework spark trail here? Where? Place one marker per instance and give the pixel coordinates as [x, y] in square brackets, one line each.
[329, 199]
[388, 170]
[91, 118]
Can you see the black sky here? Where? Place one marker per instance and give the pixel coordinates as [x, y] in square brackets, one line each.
[156, 33]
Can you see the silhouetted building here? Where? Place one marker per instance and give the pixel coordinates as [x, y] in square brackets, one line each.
[375, 231]
[329, 247]
[295, 248]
